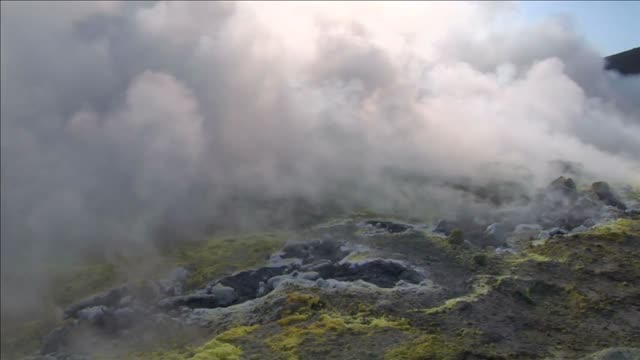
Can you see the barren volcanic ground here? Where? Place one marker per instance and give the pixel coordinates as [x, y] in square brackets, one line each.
[565, 285]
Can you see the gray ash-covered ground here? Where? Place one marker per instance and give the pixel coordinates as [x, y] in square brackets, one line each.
[558, 278]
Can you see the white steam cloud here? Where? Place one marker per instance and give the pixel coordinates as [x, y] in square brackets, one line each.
[119, 117]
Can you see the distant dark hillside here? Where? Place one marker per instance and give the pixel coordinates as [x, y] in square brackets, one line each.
[626, 62]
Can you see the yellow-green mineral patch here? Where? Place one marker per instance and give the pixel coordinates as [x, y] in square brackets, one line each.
[616, 230]
[482, 285]
[326, 327]
[528, 256]
[432, 347]
[236, 333]
[218, 348]
[359, 256]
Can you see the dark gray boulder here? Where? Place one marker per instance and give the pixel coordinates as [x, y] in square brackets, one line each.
[246, 284]
[310, 251]
[495, 234]
[633, 212]
[225, 294]
[94, 314]
[57, 339]
[603, 191]
[445, 227]
[173, 284]
[275, 281]
[388, 226]
[191, 301]
[563, 187]
[380, 272]
[557, 232]
[126, 317]
[111, 320]
[107, 298]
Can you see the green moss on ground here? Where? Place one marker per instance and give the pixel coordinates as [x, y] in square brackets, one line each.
[481, 286]
[24, 339]
[292, 319]
[298, 302]
[217, 256]
[616, 230]
[326, 327]
[212, 350]
[528, 256]
[219, 348]
[82, 281]
[603, 247]
[206, 259]
[456, 238]
[633, 192]
[305, 325]
[236, 333]
[69, 283]
[308, 326]
[480, 260]
[433, 347]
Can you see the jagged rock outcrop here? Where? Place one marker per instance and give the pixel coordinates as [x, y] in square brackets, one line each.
[603, 191]
[107, 298]
[625, 63]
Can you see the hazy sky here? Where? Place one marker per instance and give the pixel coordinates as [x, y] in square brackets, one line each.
[611, 26]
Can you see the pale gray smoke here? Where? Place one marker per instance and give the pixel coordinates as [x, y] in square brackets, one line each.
[122, 118]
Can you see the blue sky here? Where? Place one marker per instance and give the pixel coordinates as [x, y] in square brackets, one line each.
[611, 26]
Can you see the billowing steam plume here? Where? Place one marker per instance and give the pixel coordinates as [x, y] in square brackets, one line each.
[124, 122]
